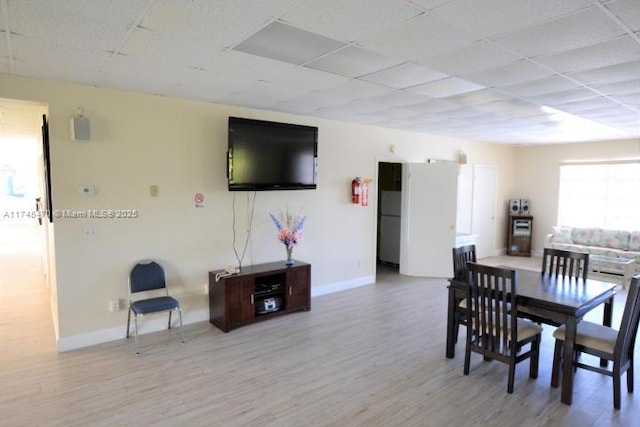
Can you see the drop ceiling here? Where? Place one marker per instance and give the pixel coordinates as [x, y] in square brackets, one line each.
[504, 71]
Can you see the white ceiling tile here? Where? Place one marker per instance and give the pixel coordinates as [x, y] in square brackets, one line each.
[45, 70]
[476, 97]
[222, 22]
[356, 89]
[206, 85]
[122, 12]
[158, 46]
[474, 58]
[65, 28]
[185, 48]
[623, 49]
[130, 73]
[466, 113]
[628, 11]
[404, 75]
[446, 87]
[271, 91]
[512, 108]
[570, 32]
[394, 113]
[286, 43]
[619, 88]
[632, 99]
[246, 66]
[353, 61]
[487, 18]
[308, 78]
[435, 106]
[562, 97]
[57, 55]
[518, 72]
[363, 106]
[244, 99]
[580, 107]
[539, 87]
[349, 20]
[609, 74]
[320, 100]
[419, 38]
[431, 4]
[400, 98]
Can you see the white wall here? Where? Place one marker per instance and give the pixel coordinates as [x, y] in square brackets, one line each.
[538, 176]
[180, 145]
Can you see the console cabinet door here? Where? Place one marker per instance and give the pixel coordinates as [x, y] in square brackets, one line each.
[299, 288]
[240, 304]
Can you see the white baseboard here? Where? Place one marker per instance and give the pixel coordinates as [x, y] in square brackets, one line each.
[160, 323]
[342, 286]
[113, 334]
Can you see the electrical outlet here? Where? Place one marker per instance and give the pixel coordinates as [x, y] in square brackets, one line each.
[114, 305]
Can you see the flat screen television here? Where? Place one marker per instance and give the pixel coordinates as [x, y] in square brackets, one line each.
[271, 156]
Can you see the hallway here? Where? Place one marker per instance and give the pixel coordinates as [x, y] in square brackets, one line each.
[26, 329]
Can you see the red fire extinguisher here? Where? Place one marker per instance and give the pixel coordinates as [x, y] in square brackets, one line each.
[356, 185]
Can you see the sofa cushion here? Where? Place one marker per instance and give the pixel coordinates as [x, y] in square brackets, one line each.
[615, 239]
[634, 241]
[581, 236]
[561, 235]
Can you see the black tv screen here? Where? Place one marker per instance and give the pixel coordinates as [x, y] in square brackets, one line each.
[271, 156]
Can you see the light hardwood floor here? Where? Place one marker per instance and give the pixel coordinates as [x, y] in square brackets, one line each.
[371, 356]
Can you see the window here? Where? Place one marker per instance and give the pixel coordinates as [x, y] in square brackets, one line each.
[600, 195]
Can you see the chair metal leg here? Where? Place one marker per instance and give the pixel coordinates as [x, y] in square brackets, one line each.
[169, 326]
[630, 377]
[181, 331]
[128, 320]
[135, 320]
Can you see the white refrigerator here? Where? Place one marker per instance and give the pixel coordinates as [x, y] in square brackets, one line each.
[390, 208]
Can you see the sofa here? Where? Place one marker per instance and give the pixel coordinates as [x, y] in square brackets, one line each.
[597, 241]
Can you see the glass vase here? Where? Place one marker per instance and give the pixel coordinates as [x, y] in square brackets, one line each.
[289, 260]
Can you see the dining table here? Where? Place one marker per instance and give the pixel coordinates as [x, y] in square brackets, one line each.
[549, 299]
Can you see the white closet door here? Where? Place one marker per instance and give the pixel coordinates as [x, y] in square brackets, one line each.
[428, 234]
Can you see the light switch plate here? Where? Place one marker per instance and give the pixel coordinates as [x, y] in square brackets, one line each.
[154, 191]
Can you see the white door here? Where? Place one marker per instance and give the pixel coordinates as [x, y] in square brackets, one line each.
[428, 219]
[485, 182]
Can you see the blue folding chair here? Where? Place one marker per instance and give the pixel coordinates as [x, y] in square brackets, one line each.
[149, 277]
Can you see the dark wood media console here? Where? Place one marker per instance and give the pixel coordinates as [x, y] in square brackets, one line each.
[258, 292]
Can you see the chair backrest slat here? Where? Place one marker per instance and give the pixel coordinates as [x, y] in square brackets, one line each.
[623, 350]
[492, 289]
[558, 262]
[461, 256]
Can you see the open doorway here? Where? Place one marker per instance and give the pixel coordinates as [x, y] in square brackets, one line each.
[24, 290]
[388, 217]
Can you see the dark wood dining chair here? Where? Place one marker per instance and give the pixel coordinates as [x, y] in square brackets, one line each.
[559, 262]
[494, 329]
[461, 256]
[605, 343]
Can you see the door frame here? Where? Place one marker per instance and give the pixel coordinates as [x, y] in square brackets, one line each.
[376, 213]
